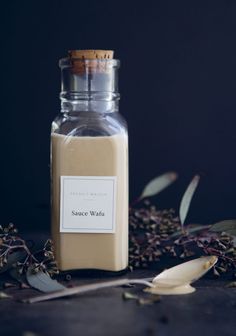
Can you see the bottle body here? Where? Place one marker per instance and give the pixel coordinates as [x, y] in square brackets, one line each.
[89, 186]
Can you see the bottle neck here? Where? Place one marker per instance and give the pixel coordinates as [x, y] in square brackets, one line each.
[92, 87]
[91, 102]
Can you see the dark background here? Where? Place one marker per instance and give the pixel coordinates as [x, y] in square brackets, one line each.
[177, 84]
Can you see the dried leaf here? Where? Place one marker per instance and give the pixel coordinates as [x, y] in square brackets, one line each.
[141, 300]
[158, 184]
[24, 285]
[231, 284]
[43, 282]
[4, 295]
[150, 300]
[227, 226]
[8, 285]
[130, 296]
[187, 198]
[29, 333]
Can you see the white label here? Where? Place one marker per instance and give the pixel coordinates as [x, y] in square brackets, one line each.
[88, 204]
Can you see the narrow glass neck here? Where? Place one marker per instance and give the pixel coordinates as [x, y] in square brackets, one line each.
[89, 85]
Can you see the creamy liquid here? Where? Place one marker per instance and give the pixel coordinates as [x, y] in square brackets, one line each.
[175, 290]
[91, 156]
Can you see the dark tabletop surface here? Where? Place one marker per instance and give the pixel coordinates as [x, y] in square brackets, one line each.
[211, 310]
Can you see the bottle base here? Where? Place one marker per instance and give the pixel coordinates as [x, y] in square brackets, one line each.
[94, 273]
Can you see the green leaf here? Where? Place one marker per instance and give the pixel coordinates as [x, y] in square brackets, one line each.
[187, 198]
[158, 184]
[12, 259]
[227, 226]
[43, 282]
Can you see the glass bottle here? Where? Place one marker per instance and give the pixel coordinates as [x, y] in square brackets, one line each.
[89, 166]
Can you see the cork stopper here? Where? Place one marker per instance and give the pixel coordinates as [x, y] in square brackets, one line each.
[88, 60]
[91, 54]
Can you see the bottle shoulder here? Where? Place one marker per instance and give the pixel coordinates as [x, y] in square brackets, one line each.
[89, 124]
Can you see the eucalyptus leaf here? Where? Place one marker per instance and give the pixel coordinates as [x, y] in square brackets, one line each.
[234, 240]
[232, 232]
[14, 273]
[198, 228]
[43, 282]
[228, 226]
[187, 198]
[158, 184]
[12, 259]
